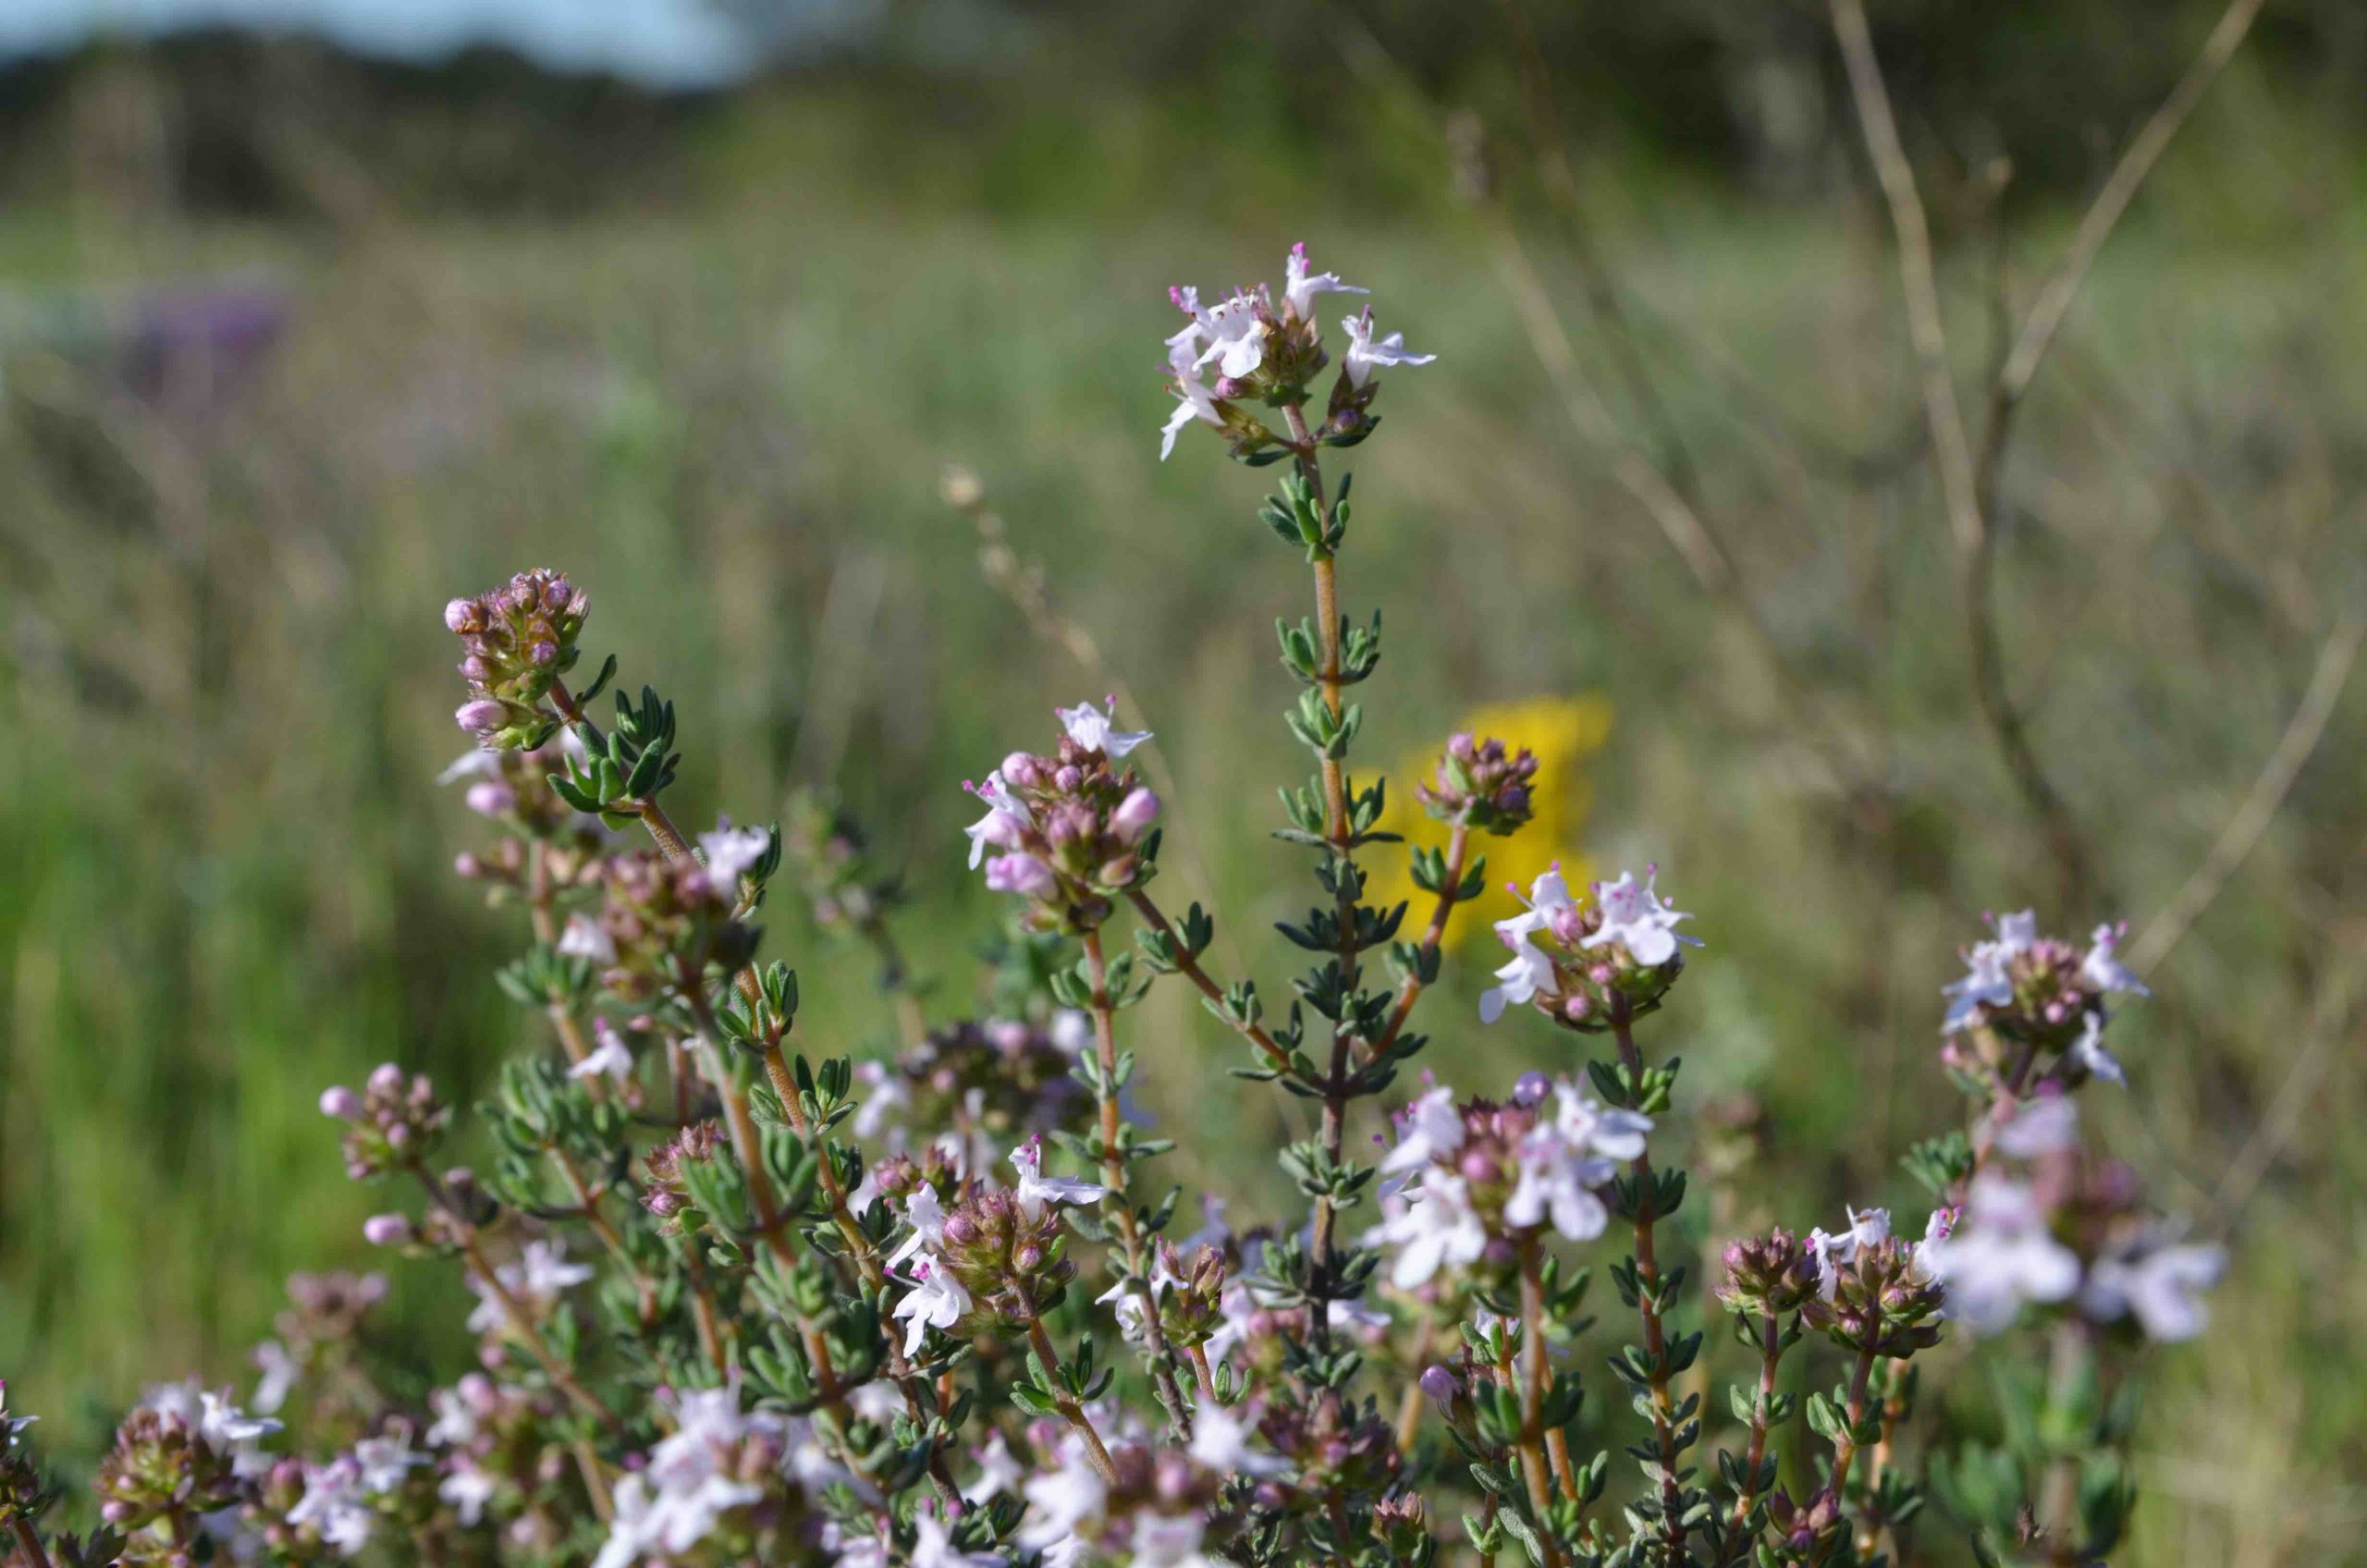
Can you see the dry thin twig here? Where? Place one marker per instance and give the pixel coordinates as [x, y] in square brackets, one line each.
[1951, 448]
[2334, 1019]
[2251, 819]
[2055, 297]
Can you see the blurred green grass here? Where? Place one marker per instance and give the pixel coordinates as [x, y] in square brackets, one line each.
[223, 878]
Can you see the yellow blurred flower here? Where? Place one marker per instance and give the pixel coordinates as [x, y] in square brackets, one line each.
[1563, 732]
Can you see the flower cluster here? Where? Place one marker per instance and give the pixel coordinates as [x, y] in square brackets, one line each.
[1065, 831]
[660, 917]
[2031, 1008]
[982, 1083]
[1000, 1254]
[1491, 1176]
[1269, 350]
[394, 1123]
[1582, 964]
[2047, 1226]
[1482, 784]
[1876, 1294]
[519, 638]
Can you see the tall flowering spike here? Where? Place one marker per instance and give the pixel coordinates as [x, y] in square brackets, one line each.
[518, 639]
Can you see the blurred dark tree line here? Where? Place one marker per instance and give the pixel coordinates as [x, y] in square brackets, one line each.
[1740, 91]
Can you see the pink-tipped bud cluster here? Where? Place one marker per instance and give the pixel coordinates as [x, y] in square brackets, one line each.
[667, 1194]
[1067, 830]
[1482, 783]
[393, 1124]
[518, 639]
[1768, 1275]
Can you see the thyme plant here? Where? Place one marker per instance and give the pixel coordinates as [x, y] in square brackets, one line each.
[741, 1298]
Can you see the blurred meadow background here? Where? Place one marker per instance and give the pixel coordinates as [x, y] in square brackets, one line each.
[302, 332]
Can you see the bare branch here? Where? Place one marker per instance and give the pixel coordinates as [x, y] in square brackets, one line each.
[1961, 488]
[2251, 819]
[1951, 451]
[2062, 285]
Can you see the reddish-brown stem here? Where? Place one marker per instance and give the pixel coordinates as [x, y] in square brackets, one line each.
[1985, 1131]
[1532, 1452]
[1648, 1280]
[1071, 1411]
[1189, 967]
[587, 1205]
[745, 1144]
[1892, 1391]
[1533, 1368]
[1337, 835]
[1409, 1407]
[1771, 1357]
[1202, 1374]
[1457, 847]
[917, 1401]
[31, 1542]
[523, 1325]
[1844, 1447]
[1113, 1177]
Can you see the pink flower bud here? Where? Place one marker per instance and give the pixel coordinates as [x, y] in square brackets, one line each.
[489, 798]
[340, 1102]
[482, 716]
[386, 1229]
[1134, 814]
[464, 615]
[386, 1079]
[1019, 874]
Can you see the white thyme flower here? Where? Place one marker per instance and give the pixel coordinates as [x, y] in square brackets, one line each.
[1999, 1256]
[1365, 356]
[1428, 1131]
[2090, 1052]
[1035, 1189]
[2160, 1284]
[1097, 731]
[936, 1301]
[1220, 1441]
[611, 1058]
[1437, 1229]
[1300, 287]
[1635, 917]
[730, 853]
[587, 938]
